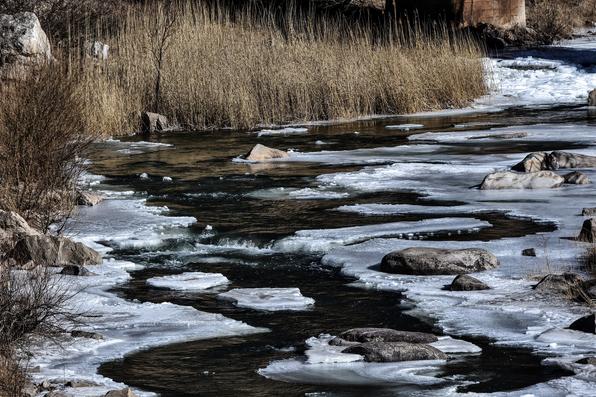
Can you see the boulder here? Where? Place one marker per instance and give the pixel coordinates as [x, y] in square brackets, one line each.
[567, 284]
[13, 225]
[98, 50]
[515, 180]
[592, 98]
[263, 153]
[88, 199]
[363, 335]
[588, 232]
[75, 270]
[533, 162]
[80, 383]
[463, 282]
[529, 252]
[576, 178]
[435, 261]
[127, 392]
[388, 352]
[585, 324]
[153, 122]
[559, 159]
[53, 251]
[86, 334]
[589, 212]
[23, 45]
[587, 360]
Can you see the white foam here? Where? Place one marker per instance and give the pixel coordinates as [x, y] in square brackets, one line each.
[191, 281]
[268, 299]
[283, 131]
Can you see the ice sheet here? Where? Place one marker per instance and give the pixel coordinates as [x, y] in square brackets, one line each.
[268, 299]
[191, 281]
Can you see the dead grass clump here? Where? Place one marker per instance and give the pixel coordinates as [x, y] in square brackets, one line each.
[43, 136]
[222, 68]
[556, 19]
[588, 260]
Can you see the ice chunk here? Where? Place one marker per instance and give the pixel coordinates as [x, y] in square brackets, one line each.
[447, 344]
[268, 299]
[191, 281]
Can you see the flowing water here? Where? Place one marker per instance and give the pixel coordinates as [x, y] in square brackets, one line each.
[320, 221]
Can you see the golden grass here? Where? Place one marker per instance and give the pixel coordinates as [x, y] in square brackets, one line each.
[240, 69]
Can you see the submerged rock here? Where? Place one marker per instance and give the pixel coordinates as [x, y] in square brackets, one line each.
[388, 352]
[585, 324]
[588, 232]
[363, 335]
[435, 261]
[464, 282]
[515, 180]
[592, 98]
[529, 252]
[568, 284]
[577, 178]
[263, 153]
[86, 334]
[153, 122]
[23, 45]
[53, 251]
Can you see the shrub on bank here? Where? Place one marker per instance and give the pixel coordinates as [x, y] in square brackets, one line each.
[556, 19]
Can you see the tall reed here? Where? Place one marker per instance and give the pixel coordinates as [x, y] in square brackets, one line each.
[241, 68]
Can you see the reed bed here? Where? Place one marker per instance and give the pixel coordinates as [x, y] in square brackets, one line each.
[220, 68]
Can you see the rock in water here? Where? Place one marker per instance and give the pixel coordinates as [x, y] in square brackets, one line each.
[567, 284]
[515, 180]
[585, 324]
[363, 335]
[89, 199]
[589, 212]
[529, 252]
[588, 232]
[23, 45]
[153, 122]
[577, 178]
[120, 393]
[263, 153]
[533, 162]
[436, 261]
[53, 251]
[592, 98]
[587, 360]
[388, 352]
[571, 160]
[75, 270]
[86, 334]
[463, 282]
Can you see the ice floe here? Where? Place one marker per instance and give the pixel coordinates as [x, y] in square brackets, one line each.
[190, 281]
[268, 299]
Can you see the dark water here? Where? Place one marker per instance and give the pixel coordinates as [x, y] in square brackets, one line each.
[213, 189]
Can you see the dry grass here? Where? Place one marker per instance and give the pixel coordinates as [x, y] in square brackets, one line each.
[240, 69]
[556, 19]
[588, 260]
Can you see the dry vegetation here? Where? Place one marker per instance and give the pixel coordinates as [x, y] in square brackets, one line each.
[556, 19]
[219, 68]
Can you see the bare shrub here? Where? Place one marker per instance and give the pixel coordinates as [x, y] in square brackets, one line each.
[588, 260]
[556, 19]
[43, 136]
[32, 309]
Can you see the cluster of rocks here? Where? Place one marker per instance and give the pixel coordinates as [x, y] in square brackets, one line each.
[61, 388]
[568, 285]
[383, 345]
[536, 171]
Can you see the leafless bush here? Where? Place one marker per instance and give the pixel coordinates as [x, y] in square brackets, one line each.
[32, 308]
[588, 260]
[43, 136]
[555, 19]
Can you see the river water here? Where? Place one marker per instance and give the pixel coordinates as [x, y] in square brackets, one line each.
[320, 221]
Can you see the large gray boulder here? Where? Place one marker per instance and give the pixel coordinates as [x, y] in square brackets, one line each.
[363, 335]
[88, 199]
[263, 153]
[436, 261]
[23, 45]
[464, 282]
[592, 98]
[53, 251]
[559, 159]
[153, 122]
[13, 225]
[388, 352]
[569, 285]
[515, 180]
[533, 162]
[577, 178]
[588, 232]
